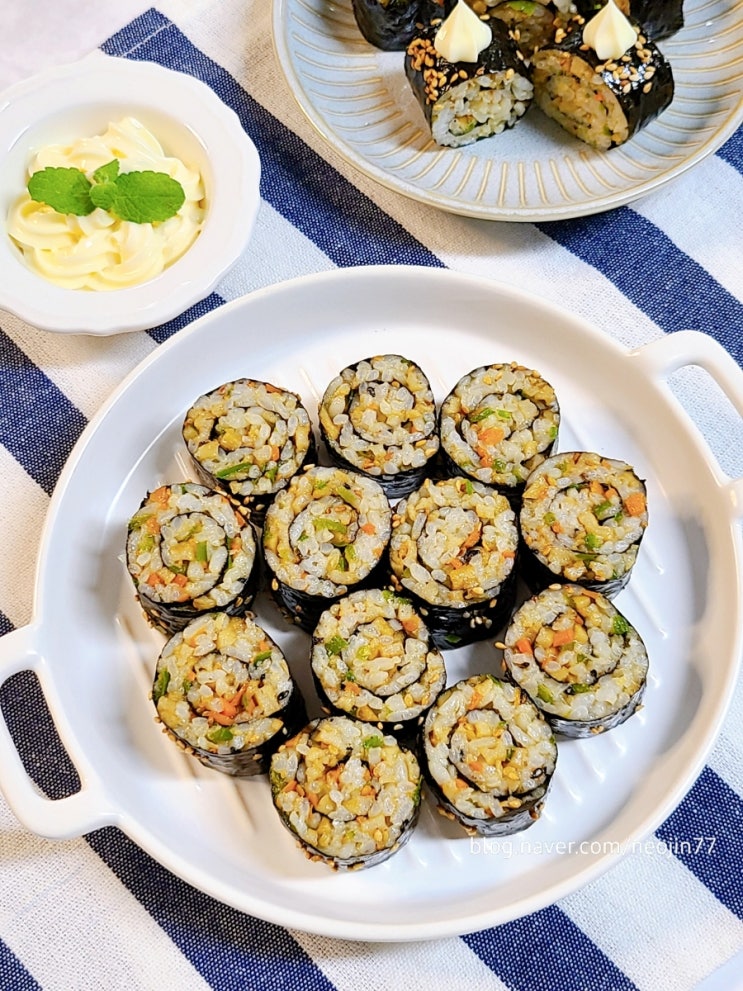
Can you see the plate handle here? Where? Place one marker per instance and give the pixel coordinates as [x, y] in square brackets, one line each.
[60, 818]
[692, 347]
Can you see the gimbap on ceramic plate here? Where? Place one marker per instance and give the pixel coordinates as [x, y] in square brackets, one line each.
[223, 692]
[323, 535]
[372, 658]
[453, 550]
[602, 95]
[465, 95]
[188, 552]
[249, 438]
[378, 417]
[498, 423]
[577, 657]
[349, 794]
[489, 756]
[582, 519]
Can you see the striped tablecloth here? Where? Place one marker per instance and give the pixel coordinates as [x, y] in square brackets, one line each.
[97, 912]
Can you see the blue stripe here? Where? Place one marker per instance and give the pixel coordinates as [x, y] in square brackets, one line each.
[13, 975]
[38, 744]
[297, 182]
[644, 264]
[706, 834]
[732, 151]
[166, 330]
[231, 950]
[546, 951]
[38, 423]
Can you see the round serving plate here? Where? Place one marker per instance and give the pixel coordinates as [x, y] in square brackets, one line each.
[359, 100]
[95, 654]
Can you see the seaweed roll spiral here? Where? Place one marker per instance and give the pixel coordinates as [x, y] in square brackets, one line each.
[188, 552]
[348, 794]
[489, 756]
[223, 692]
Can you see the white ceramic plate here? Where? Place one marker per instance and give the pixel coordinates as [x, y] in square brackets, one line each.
[95, 654]
[359, 100]
[191, 123]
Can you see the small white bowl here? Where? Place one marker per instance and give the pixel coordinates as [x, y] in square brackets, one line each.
[191, 123]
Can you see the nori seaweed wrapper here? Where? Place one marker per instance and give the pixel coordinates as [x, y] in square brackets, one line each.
[658, 18]
[641, 80]
[389, 26]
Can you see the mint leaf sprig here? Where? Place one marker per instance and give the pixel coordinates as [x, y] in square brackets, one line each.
[140, 197]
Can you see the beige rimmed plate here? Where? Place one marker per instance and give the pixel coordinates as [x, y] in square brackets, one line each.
[359, 100]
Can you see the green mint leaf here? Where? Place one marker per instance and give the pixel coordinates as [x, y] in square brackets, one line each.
[147, 197]
[108, 172]
[64, 190]
[103, 195]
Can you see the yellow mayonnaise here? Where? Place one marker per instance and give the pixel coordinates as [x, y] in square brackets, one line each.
[99, 251]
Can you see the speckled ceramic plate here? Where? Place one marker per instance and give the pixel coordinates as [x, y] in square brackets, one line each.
[359, 100]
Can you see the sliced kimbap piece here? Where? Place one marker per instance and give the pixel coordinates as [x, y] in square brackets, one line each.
[498, 423]
[249, 438]
[453, 550]
[324, 535]
[349, 794]
[531, 23]
[223, 692]
[658, 19]
[488, 755]
[602, 96]
[577, 658]
[468, 95]
[582, 519]
[189, 552]
[372, 658]
[378, 417]
[388, 24]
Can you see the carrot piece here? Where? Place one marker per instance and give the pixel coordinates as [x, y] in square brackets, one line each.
[222, 718]
[560, 637]
[368, 528]
[509, 554]
[476, 765]
[275, 452]
[181, 580]
[411, 626]
[492, 435]
[523, 646]
[461, 784]
[160, 495]
[635, 504]
[154, 579]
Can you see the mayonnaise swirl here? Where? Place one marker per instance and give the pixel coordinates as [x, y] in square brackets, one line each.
[98, 251]
[609, 32]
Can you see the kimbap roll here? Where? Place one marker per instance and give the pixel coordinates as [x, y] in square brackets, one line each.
[577, 658]
[388, 24]
[488, 755]
[223, 692]
[372, 658]
[497, 424]
[582, 519]
[188, 552]
[531, 23]
[453, 550]
[378, 417]
[348, 794]
[603, 99]
[658, 19]
[248, 438]
[465, 98]
[323, 535]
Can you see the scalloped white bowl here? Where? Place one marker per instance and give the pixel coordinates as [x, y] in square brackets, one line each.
[191, 123]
